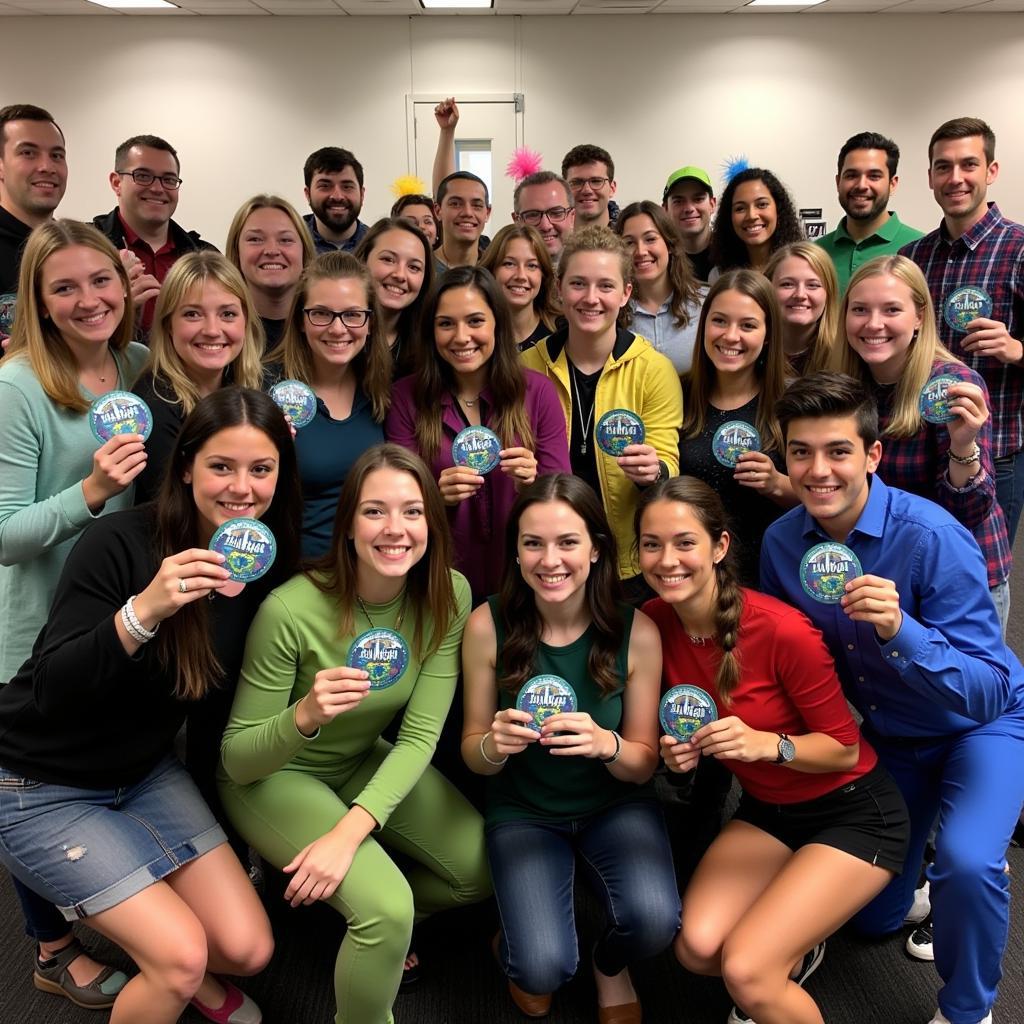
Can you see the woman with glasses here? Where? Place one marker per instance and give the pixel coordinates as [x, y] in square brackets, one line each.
[333, 344]
[270, 246]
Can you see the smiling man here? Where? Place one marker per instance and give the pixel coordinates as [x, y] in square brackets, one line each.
[33, 177]
[689, 200]
[463, 207]
[590, 172]
[977, 248]
[146, 180]
[919, 651]
[544, 201]
[335, 193]
[865, 180]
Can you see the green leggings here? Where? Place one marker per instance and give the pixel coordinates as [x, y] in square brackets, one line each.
[434, 826]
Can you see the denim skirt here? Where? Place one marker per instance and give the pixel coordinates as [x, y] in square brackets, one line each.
[87, 850]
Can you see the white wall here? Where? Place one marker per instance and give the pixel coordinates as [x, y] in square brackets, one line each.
[246, 99]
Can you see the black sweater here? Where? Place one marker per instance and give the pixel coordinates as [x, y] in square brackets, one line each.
[81, 712]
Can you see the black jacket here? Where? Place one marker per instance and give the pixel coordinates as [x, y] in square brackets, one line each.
[184, 241]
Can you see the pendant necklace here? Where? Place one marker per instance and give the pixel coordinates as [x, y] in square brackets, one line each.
[398, 621]
[584, 427]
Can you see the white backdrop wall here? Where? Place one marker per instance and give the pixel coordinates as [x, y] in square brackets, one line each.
[246, 99]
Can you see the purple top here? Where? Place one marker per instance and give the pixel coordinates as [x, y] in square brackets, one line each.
[478, 523]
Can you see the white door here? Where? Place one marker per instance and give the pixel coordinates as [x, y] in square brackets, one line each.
[489, 130]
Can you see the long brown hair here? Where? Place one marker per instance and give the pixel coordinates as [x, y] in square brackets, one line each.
[429, 583]
[505, 376]
[371, 366]
[770, 368]
[34, 336]
[707, 506]
[545, 304]
[681, 278]
[517, 603]
[184, 641]
[192, 271]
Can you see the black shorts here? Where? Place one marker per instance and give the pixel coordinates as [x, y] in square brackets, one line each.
[866, 818]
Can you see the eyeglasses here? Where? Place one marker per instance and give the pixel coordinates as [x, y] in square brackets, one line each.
[171, 182]
[320, 317]
[595, 183]
[556, 214]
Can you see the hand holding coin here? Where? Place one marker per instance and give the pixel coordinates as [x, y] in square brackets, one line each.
[874, 599]
[511, 732]
[334, 691]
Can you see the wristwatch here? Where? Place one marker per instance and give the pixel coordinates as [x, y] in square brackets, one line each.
[786, 749]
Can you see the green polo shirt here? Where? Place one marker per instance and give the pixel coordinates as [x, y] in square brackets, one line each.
[848, 255]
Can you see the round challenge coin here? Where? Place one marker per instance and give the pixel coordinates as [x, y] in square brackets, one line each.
[618, 429]
[544, 696]
[296, 400]
[119, 412]
[684, 709]
[382, 653]
[826, 569]
[248, 547]
[476, 448]
[732, 440]
[966, 304]
[933, 402]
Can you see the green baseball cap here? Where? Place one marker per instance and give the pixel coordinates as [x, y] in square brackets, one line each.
[696, 173]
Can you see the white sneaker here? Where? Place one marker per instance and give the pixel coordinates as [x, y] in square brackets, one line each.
[920, 942]
[922, 905]
[810, 963]
[941, 1018]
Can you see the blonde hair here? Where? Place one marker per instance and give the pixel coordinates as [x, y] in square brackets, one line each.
[35, 338]
[372, 366]
[267, 202]
[597, 238]
[925, 348]
[192, 271]
[826, 336]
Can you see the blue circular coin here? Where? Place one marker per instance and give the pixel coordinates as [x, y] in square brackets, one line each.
[684, 709]
[933, 402]
[382, 653]
[618, 429]
[544, 696]
[296, 400]
[119, 412]
[732, 439]
[477, 449]
[966, 304]
[826, 569]
[248, 547]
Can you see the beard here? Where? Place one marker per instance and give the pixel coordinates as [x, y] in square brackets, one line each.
[876, 208]
[338, 216]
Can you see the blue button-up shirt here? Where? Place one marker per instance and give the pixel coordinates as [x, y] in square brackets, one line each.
[947, 670]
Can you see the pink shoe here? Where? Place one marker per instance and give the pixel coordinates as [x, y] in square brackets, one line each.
[238, 1008]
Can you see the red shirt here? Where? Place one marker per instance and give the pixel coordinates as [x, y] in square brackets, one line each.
[157, 263]
[788, 684]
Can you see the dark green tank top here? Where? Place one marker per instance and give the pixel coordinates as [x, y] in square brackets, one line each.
[535, 785]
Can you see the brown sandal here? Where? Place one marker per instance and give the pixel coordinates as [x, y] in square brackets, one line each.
[54, 976]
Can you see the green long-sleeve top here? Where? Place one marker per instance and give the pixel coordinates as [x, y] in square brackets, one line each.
[295, 635]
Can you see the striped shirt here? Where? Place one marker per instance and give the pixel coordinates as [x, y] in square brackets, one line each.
[989, 256]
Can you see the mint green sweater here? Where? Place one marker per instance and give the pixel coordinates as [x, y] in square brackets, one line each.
[45, 454]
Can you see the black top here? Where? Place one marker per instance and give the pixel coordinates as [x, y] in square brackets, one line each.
[81, 712]
[168, 416]
[13, 235]
[582, 443]
[750, 513]
[539, 333]
[701, 263]
[274, 330]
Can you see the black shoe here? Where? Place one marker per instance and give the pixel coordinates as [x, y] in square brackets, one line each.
[919, 943]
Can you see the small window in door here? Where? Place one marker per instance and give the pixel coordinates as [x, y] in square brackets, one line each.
[474, 155]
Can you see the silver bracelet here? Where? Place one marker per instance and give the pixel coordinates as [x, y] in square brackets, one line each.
[483, 753]
[618, 750]
[131, 622]
[966, 460]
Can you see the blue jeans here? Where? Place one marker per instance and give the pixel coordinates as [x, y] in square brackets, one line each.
[974, 784]
[1010, 489]
[625, 854]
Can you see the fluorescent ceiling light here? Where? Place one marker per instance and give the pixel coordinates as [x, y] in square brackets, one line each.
[452, 4]
[133, 4]
[784, 3]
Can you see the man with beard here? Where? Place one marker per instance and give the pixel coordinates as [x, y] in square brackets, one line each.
[866, 179]
[335, 193]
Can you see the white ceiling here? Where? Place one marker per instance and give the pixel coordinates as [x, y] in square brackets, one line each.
[405, 8]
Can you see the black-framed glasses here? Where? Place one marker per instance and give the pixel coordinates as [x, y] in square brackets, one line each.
[320, 317]
[555, 214]
[171, 182]
[595, 183]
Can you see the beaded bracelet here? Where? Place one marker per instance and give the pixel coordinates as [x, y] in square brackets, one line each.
[966, 460]
[136, 630]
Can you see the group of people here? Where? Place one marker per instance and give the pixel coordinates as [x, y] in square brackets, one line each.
[769, 393]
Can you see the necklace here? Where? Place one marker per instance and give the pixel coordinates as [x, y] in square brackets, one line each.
[584, 427]
[700, 641]
[398, 621]
[103, 380]
[468, 401]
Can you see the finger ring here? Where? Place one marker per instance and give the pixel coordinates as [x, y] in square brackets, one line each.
[182, 587]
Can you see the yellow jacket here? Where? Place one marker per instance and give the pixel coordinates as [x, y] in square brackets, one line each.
[635, 377]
